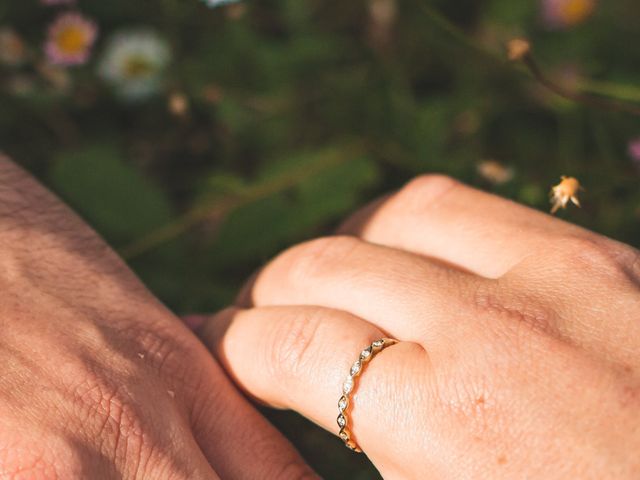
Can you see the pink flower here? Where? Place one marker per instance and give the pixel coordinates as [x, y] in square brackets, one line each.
[71, 37]
[566, 13]
[634, 151]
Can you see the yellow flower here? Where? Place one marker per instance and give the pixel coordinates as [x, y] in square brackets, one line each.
[576, 11]
[566, 13]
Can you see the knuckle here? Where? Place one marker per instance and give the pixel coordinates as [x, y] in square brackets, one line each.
[169, 355]
[426, 190]
[495, 300]
[597, 257]
[291, 353]
[163, 352]
[628, 259]
[316, 258]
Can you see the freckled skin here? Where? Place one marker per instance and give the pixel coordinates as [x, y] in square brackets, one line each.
[519, 337]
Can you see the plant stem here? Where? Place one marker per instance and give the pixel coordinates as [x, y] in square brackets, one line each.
[627, 92]
[443, 23]
[609, 89]
[578, 97]
[222, 206]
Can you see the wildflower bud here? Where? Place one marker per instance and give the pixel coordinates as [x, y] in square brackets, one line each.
[12, 49]
[178, 104]
[518, 48]
[494, 172]
[55, 75]
[21, 85]
[634, 152]
[212, 94]
[382, 17]
[236, 11]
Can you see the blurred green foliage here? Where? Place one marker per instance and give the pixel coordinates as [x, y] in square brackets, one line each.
[292, 113]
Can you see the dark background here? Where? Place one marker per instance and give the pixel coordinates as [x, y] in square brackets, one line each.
[276, 118]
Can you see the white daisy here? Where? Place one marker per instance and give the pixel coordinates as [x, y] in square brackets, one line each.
[134, 62]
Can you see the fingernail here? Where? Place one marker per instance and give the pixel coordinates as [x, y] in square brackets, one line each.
[194, 321]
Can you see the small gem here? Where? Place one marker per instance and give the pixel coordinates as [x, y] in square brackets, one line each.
[378, 344]
[355, 368]
[343, 435]
[366, 353]
[347, 386]
[341, 421]
[343, 403]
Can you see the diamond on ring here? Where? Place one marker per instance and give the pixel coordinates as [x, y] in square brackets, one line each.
[347, 386]
[366, 353]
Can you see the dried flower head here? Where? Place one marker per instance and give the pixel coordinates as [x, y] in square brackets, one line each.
[70, 39]
[561, 14]
[494, 172]
[382, 17]
[567, 190]
[178, 104]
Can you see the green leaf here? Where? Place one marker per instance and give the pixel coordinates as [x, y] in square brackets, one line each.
[333, 192]
[258, 230]
[114, 197]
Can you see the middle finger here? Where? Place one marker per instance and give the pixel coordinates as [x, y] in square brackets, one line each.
[409, 296]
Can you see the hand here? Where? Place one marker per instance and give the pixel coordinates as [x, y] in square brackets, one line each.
[519, 353]
[97, 379]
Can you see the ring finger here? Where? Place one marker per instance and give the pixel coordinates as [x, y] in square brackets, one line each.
[299, 357]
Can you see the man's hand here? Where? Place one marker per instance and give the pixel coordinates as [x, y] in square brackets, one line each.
[97, 379]
[519, 353]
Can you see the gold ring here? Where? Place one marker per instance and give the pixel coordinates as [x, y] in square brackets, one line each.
[349, 384]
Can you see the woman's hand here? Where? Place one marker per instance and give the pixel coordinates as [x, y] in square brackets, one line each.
[97, 379]
[519, 353]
